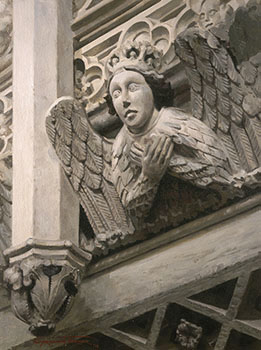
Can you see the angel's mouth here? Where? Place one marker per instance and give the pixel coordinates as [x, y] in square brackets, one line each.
[130, 114]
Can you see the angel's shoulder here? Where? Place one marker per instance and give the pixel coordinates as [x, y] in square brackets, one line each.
[173, 113]
[178, 118]
[185, 129]
[175, 118]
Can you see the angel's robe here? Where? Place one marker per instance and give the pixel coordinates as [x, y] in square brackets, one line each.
[198, 157]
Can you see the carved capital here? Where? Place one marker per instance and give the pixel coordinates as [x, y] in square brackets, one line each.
[44, 280]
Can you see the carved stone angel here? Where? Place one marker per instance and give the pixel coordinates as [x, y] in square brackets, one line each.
[160, 153]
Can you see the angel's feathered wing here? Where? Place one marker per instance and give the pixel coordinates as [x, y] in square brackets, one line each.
[221, 97]
[85, 158]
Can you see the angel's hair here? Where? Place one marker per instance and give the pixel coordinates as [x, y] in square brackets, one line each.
[161, 90]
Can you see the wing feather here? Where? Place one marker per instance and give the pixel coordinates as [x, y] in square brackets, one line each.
[253, 129]
[223, 83]
[237, 114]
[197, 104]
[228, 142]
[79, 148]
[63, 151]
[219, 59]
[242, 143]
[236, 94]
[223, 104]
[223, 123]
[210, 115]
[194, 76]
[79, 124]
[210, 94]
[63, 127]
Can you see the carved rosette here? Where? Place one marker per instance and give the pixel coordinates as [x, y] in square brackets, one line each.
[44, 283]
[188, 335]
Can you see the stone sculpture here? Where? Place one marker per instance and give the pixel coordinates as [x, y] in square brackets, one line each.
[161, 151]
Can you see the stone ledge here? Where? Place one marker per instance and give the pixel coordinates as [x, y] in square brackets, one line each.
[176, 234]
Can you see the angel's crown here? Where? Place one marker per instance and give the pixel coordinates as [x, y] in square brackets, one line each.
[142, 56]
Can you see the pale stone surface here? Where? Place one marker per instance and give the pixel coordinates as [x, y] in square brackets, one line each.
[17, 331]
[42, 71]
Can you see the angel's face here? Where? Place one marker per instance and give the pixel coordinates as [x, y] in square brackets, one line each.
[210, 13]
[132, 99]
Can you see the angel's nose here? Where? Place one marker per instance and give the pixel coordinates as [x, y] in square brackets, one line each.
[207, 17]
[125, 98]
[126, 104]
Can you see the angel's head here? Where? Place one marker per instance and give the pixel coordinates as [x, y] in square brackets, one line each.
[212, 12]
[137, 96]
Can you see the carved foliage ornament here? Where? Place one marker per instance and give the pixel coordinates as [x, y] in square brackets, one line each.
[214, 154]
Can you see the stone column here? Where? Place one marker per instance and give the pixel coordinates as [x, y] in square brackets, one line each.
[44, 206]
[44, 259]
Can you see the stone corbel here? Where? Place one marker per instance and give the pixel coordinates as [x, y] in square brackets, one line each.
[44, 277]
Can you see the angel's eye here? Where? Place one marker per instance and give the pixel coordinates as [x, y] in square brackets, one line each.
[116, 93]
[133, 87]
[212, 12]
[202, 15]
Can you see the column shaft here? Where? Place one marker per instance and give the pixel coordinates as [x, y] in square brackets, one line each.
[44, 205]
